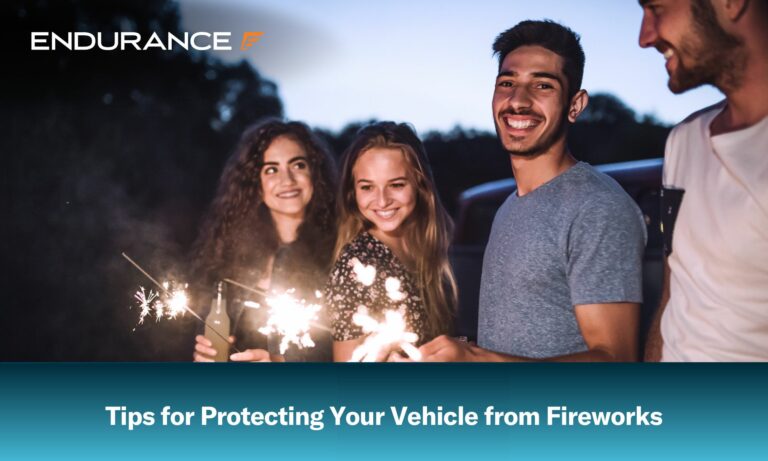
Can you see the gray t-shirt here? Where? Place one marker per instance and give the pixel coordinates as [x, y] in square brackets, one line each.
[578, 239]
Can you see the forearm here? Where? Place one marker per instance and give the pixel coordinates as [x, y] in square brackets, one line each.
[592, 355]
[446, 349]
[596, 355]
[654, 342]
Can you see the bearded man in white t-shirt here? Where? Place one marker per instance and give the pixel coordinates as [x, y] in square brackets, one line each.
[714, 304]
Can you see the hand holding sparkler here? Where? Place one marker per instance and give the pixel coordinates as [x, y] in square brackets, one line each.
[383, 336]
[447, 349]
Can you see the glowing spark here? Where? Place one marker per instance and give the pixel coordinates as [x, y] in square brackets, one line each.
[164, 287]
[383, 335]
[145, 302]
[392, 286]
[291, 319]
[169, 305]
[251, 304]
[159, 307]
[178, 304]
[364, 274]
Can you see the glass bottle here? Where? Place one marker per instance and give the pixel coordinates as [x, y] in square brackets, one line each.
[219, 320]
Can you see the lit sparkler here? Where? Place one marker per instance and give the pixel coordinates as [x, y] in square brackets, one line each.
[291, 319]
[170, 305]
[387, 334]
[145, 302]
[288, 317]
[383, 335]
[175, 303]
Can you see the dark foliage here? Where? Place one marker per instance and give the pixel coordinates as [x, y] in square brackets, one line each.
[107, 152]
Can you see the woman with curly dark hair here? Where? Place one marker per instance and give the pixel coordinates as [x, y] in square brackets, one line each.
[271, 226]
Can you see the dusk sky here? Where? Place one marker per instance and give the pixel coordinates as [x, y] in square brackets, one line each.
[428, 62]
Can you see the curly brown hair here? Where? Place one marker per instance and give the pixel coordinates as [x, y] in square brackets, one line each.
[238, 235]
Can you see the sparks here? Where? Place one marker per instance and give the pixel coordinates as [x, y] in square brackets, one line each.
[178, 302]
[145, 302]
[168, 305]
[383, 335]
[291, 319]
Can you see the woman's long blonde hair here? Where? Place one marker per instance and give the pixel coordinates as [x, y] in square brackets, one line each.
[427, 232]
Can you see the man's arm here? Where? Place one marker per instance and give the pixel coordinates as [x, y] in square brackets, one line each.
[654, 342]
[610, 331]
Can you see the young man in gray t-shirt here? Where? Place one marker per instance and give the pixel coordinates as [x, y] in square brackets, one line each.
[562, 271]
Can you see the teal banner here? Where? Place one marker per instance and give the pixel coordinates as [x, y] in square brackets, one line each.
[383, 411]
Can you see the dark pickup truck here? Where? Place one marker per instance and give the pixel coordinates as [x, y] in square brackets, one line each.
[477, 207]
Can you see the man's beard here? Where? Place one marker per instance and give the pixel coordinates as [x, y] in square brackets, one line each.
[542, 144]
[717, 55]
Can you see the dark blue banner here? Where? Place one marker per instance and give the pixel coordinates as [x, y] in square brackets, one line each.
[301, 411]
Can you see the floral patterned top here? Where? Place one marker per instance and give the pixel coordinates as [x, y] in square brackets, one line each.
[368, 274]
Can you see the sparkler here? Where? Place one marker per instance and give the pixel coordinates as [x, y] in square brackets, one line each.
[173, 304]
[145, 302]
[169, 304]
[390, 332]
[383, 335]
[258, 291]
[291, 319]
[288, 317]
[176, 300]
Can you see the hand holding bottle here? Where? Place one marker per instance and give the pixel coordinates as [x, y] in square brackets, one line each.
[205, 350]
[256, 355]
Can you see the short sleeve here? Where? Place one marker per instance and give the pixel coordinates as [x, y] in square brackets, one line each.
[606, 242]
[342, 298]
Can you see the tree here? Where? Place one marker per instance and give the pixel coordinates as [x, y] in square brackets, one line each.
[108, 152]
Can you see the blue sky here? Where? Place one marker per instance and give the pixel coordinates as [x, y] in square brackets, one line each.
[428, 62]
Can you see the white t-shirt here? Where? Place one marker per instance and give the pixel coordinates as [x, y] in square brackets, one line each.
[718, 306]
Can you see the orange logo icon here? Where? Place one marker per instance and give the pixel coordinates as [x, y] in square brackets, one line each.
[249, 38]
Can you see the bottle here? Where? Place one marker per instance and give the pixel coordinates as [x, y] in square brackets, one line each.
[219, 320]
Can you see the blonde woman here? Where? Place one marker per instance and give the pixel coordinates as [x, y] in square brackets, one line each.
[391, 224]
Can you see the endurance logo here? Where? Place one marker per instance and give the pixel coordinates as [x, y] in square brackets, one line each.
[249, 38]
[83, 41]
